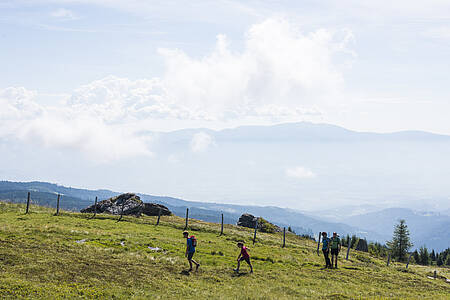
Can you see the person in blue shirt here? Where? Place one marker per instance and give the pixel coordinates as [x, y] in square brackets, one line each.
[326, 249]
[191, 243]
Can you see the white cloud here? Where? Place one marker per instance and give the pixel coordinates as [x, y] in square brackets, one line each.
[279, 66]
[299, 172]
[201, 141]
[281, 74]
[63, 14]
[66, 127]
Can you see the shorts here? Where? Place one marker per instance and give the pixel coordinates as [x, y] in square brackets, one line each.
[247, 259]
[190, 255]
[334, 251]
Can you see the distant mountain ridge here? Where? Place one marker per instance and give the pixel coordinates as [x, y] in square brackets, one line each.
[299, 222]
[430, 230]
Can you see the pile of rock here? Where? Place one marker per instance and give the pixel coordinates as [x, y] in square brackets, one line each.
[248, 220]
[127, 204]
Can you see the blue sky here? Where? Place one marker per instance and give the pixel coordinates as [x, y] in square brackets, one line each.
[392, 66]
[77, 76]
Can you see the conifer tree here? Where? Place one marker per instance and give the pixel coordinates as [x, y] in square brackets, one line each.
[416, 257]
[353, 241]
[433, 255]
[400, 243]
[424, 256]
[439, 261]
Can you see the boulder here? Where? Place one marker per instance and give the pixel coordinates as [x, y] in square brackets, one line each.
[152, 209]
[248, 220]
[130, 203]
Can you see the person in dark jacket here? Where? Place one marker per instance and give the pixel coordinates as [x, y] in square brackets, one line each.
[326, 249]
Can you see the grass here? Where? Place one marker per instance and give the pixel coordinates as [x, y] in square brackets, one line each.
[41, 258]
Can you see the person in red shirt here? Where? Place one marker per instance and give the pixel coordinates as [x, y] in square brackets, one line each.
[243, 256]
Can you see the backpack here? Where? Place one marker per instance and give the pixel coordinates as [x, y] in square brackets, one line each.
[194, 241]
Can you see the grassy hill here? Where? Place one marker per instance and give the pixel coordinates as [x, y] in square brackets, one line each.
[71, 255]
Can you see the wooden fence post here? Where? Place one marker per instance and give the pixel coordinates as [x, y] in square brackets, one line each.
[435, 274]
[348, 250]
[254, 235]
[187, 218]
[57, 204]
[28, 202]
[284, 237]
[121, 212]
[389, 259]
[318, 242]
[409, 258]
[221, 227]
[95, 207]
[159, 216]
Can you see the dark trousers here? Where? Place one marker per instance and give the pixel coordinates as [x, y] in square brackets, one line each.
[327, 258]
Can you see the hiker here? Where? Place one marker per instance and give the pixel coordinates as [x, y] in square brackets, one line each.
[191, 243]
[335, 246]
[243, 255]
[326, 249]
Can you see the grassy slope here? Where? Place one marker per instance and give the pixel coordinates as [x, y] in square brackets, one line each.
[39, 257]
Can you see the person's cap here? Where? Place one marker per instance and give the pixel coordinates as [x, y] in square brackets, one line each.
[334, 232]
[185, 233]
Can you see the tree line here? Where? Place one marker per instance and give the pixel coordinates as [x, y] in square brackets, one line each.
[399, 247]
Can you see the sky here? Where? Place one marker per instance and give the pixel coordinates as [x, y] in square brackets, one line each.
[81, 75]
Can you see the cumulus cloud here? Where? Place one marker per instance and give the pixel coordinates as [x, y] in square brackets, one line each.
[299, 172]
[280, 74]
[201, 141]
[279, 66]
[65, 127]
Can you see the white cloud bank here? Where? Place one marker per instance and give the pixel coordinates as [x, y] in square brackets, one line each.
[281, 74]
[299, 172]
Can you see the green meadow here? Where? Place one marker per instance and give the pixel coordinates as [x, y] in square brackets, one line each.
[75, 256]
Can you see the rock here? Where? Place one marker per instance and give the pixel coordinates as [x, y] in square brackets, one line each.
[131, 205]
[248, 220]
[152, 209]
[362, 245]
